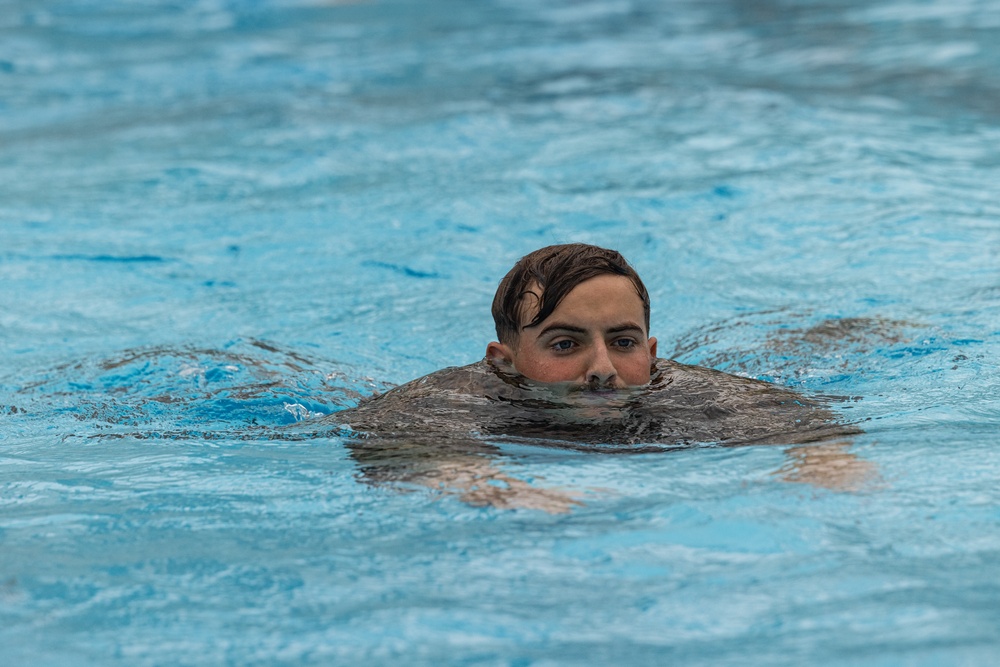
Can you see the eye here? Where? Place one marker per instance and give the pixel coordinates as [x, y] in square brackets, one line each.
[563, 345]
[624, 343]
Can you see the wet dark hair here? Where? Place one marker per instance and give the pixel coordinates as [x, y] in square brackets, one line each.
[556, 269]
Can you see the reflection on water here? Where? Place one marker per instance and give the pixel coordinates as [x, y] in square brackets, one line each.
[682, 406]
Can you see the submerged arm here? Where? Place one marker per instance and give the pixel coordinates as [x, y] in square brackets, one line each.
[464, 467]
[829, 465]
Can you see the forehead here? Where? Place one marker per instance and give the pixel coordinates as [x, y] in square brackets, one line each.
[604, 297]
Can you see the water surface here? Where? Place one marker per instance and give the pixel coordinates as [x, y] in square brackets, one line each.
[222, 222]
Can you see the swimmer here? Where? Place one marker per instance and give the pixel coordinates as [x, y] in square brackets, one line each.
[574, 365]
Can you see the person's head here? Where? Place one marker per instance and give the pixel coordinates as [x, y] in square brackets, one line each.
[574, 313]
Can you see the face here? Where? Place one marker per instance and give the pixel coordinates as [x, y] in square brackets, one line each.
[596, 336]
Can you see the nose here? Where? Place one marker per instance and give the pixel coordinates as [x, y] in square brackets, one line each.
[601, 371]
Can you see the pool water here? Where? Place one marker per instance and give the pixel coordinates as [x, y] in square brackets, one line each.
[222, 221]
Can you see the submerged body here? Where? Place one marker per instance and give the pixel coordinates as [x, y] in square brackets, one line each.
[682, 405]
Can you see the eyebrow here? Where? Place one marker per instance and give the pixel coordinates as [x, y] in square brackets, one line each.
[562, 326]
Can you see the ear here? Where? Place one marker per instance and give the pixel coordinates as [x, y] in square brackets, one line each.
[498, 352]
[652, 347]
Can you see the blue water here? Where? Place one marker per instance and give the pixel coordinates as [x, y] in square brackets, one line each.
[222, 219]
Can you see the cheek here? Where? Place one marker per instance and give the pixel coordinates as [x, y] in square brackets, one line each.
[548, 369]
[635, 371]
